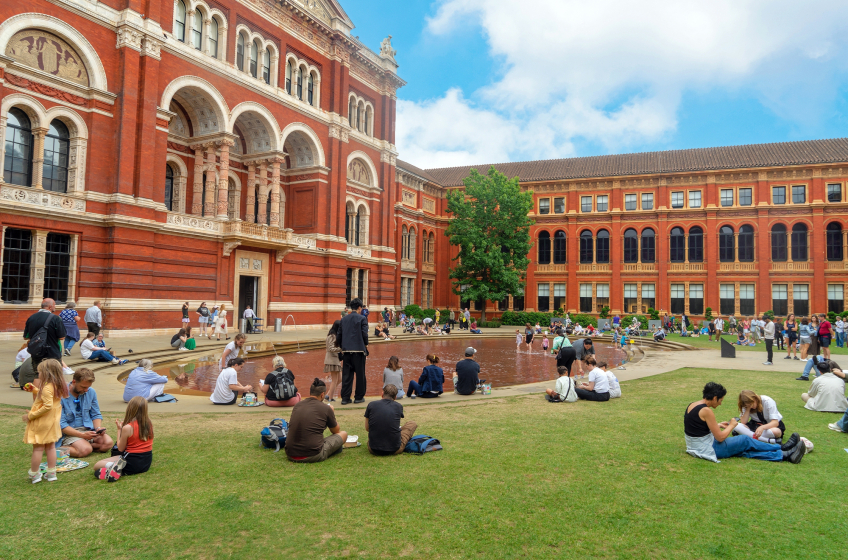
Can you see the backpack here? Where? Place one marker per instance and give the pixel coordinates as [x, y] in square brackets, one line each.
[422, 444]
[165, 397]
[274, 435]
[284, 389]
[37, 346]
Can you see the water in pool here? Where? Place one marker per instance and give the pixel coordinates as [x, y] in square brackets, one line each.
[500, 364]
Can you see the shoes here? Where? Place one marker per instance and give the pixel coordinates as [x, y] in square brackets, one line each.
[788, 358]
[835, 428]
[122, 362]
[796, 358]
[795, 454]
[359, 401]
[411, 396]
[344, 402]
[67, 352]
[183, 349]
[791, 442]
[228, 338]
[50, 476]
[767, 364]
[802, 378]
[115, 361]
[35, 478]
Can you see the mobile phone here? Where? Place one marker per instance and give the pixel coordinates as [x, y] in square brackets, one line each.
[100, 430]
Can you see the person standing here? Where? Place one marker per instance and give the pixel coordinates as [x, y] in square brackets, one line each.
[43, 419]
[353, 333]
[234, 349]
[249, 316]
[203, 318]
[185, 320]
[213, 322]
[365, 312]
[467, 315]
[719, 325]
[438, 316]
[452, 318]
[825, 336]
[778, 334]
[791, 326]
[332, 361]
[840, 332]
[71, 319]
[55, 333]
[221, 323]
[768, 335]
[94, 318]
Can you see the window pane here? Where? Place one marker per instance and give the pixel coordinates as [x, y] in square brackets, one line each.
[602, 203]
[677, 199]
[57, 262]
[648, 246]
[834, 193]
[544, 248]
[585, 203]
[17, 169]
[745, 197]
[631, 246]
[544, 206]
[17, 254]
[694, 199]
[647, 201]
[56, 148]
[835, 298]
[648, 291]
[833, 240]
[559, 205]
[727, 197]
[778, 195]
[603, 290]
[630, 290]
[801, 299]
[799, 194]
[586, 250]
[696, 245]
[602, 246]
[727, 293]
[778, 243]
[630, 202]
[779, 297]
[696, 299]
[678, 290]
[559, 247]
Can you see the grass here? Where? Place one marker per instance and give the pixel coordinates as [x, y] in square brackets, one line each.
[519, 478]
[704, 341]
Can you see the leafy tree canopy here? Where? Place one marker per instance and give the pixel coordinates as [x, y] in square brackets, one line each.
[491, 228]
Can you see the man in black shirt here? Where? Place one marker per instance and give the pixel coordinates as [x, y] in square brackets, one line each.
[382, 422]
[55, 331]
[353, 333]
[467, 373]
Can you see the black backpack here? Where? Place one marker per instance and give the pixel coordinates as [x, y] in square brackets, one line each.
[37, 346]
[284, 389]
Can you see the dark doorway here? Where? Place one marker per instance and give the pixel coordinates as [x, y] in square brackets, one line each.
[248, 294]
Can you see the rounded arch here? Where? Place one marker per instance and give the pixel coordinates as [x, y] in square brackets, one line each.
[305, 130]
[648, 231]
[178, 163]
[92, 62]
[372, 170]
[249, 110]
[219, 105]
[29, 105]
[75, 122]
[235, 178]
[697, 230]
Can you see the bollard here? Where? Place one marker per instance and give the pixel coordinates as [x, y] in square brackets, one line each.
[243, 326]
[278, 325]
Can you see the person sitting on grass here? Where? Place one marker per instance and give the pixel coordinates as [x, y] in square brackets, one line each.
[597, 388]
[759, 418]
[708, 439]
[133, 453]
[227, 385]
[81, 417]
[827, 393]
[144, 382]
[429, 385]
[565, 390]
[382, 422]
[467, 376]
[614, 386]
[273, 388]
[91, 352]
[305, 442]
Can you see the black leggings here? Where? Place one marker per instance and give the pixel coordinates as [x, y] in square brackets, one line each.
[591, 395]
[566, 357]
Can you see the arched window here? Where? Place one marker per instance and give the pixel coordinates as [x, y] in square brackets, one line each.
[180, 21]
[197, 30]
[254, 58]
[412, 250]
[310, 89]
[648, 246]
[17, 169]
[404, 243]
[799, 242]
[726, 244]
[213, 37]
[288, 77]
[834, 241]
[602, 246]
[631, 246]
[425, 247]
[240, 52]
[169, 187]
[351, 112]
[368, 116]
[266, 66]
[778, 243]
[432, 248]
[696, 244]
[361, 226]
[587, 253]
[544, 248]
[300, 84]
[746, 244]
[677, 245]
[56, 148]
[359, 116]
[559, 247]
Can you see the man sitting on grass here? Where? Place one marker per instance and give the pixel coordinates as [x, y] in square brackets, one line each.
[382, 422]
[305, 442]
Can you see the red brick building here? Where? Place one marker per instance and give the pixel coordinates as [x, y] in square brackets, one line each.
[242, 152]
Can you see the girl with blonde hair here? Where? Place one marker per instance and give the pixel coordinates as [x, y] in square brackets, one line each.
[43, 427]
[221, 323]
[759, 418]
[135, 444]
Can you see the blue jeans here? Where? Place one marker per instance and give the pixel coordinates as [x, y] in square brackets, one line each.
[69, 343]
[840, 339]
[843, 424]
[415, 388]
[101, 356]
[748, 447]
[809, 367]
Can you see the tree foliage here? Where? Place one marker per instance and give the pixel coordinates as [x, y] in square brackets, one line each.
[491, 228]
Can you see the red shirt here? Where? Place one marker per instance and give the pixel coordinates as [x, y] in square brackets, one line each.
[135, 444]
[825, 329]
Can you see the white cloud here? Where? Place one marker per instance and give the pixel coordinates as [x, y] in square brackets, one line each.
[614, 71]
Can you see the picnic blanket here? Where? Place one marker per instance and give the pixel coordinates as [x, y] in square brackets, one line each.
[66, 465]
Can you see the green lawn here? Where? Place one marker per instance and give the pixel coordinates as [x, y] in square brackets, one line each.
[704, 341]
[519, 478]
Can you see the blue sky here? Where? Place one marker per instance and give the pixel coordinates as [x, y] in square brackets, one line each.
[499, 80]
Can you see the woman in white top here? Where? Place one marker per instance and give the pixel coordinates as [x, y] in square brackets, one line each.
[759, 418]
[221, 323]
[227, 385]
[597, 388]
[614, 387]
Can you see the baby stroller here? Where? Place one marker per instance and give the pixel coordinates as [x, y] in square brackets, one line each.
[409, 328]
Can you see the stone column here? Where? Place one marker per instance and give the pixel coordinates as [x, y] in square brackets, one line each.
[209, 207]
[38, 135]
[844, 244]
[686, 249]
[249, 217]
[36, 271]
[263, 192]
[197, 197]
[735, 258]
[224, 178]
[275, 192]
[316, 94]
[789, 246]
[72, 268]
[204, 45]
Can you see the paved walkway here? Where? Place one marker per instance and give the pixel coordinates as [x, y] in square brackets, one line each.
[110, 390]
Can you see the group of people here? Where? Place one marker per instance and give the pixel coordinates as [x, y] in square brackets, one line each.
[210, 322]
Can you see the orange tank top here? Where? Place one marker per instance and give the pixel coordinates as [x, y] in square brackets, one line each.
[135, 444]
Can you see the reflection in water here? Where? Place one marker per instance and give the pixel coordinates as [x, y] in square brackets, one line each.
[500, 364]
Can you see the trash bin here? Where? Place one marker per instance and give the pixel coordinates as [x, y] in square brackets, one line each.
[278, 325]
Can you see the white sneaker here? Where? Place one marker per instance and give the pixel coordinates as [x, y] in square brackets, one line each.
[34, 478]
[50, 477]
[184, 349]
[767, 363]
[835, 428]
[115, 361]
[67, 371]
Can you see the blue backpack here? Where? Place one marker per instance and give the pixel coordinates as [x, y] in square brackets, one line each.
[274, 435]
[422, 444]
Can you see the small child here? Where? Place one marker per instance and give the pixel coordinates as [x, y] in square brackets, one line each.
[134, 453]
[565, 388]
[518, 338]
[43, 428]
[545, 342]
[615, 388]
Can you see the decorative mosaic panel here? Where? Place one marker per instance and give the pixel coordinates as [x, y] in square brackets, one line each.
[409, 198]
[47, 52]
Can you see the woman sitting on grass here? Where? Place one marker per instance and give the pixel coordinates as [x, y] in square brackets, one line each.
[429, 385]
[133, 453]
[759, 418]
[708, 439]
[597, 388]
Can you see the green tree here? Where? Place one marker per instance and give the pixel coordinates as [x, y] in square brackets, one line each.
[491, 228]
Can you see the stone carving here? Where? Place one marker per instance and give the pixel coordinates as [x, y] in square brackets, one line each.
[129, 37]
[244, 262]
[151, 47]
[429, 205]
[49, 53]
[229, 247]
[193, 222]
[357, 171]
[358, 252]
[304, 242]
[337, 131]
[257, 264]
[386, 49]
[281, 253]
[45, 90]
[42, 198]
[409, 198]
